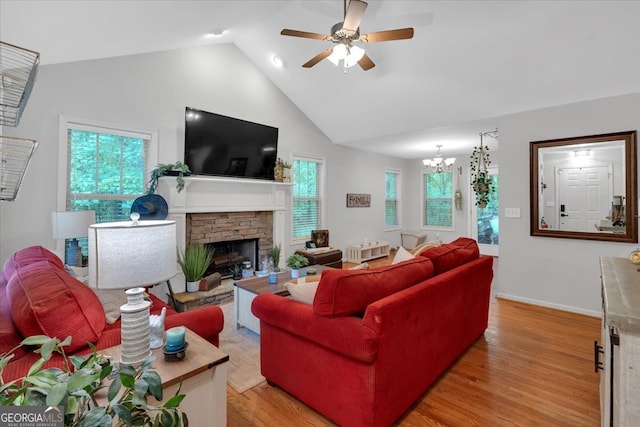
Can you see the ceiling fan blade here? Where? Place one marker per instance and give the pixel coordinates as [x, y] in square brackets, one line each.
[303, 34]
[366, 63]
[354, 15]
[383, 36]
[319, 57]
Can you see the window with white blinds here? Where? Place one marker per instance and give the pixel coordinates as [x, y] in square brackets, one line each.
[438, 200]
[307, 180]
[105, 170]
[391, 199]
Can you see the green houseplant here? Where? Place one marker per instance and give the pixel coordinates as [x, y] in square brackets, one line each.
[296, 262]
[274, 253]
[481, 181]
[75, 386]
[178, 168]
[194, 261]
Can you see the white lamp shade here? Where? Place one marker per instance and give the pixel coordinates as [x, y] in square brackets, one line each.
[123, 256]
[71, 224]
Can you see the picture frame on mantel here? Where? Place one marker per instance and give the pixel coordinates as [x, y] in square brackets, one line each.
[355, 200]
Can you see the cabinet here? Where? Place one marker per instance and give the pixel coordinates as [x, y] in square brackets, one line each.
[366, 251]
[618, 355]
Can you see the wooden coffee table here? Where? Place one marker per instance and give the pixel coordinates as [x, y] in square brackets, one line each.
[202, 376]
[247, 289]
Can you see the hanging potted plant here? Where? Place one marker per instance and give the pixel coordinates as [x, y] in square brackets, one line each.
[481, 181]
[177, 169]
[194, 262]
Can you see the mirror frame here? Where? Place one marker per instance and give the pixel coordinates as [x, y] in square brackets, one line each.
[631, 193]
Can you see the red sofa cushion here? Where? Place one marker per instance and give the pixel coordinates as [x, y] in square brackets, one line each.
[45, 300]
[28, 256]
[452, 255]
[349, 292]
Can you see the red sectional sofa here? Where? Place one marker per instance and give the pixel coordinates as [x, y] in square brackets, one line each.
[38, 297]
[375, 340]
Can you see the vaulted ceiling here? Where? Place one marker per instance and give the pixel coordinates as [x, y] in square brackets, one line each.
[468, 63]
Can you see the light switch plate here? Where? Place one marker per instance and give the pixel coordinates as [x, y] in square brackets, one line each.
[512, 212]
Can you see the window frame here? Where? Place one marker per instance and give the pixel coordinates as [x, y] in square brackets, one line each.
[424, 203]
[67, 123]
[398, 199]
[321, 193]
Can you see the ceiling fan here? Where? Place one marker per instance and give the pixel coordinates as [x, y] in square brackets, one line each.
[344, 34]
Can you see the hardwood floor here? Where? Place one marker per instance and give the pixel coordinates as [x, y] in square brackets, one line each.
[532, 367]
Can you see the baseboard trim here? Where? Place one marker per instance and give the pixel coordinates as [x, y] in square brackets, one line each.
[547, 304]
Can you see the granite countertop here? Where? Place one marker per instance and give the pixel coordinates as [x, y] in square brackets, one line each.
[621, 293]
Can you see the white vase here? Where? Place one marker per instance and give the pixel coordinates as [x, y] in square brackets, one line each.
[193, 286]
[295, 273]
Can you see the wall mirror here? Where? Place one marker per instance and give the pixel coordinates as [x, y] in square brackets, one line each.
[585, 187]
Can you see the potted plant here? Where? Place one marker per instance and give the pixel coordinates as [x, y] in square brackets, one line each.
[237, 271]
[282, 171]
[296, 262]
[481, 181]
[75, 388]
[177, 169]
[194, 262]
[274, 253]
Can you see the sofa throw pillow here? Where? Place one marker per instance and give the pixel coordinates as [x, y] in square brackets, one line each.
[111, 300]
[28, 256]
[45, 300]
[401, 255]
[363, 266]
[349, 292]
[304, 292]
[452, 255]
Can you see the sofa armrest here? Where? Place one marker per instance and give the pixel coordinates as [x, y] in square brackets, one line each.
[345, 335]
[205, 321]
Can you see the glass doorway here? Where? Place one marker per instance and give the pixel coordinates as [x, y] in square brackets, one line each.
[485, 222]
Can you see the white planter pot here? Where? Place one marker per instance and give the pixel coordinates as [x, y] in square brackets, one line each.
[193, 286]
[295, 273]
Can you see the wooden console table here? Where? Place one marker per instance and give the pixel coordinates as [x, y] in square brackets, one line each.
[203, 374]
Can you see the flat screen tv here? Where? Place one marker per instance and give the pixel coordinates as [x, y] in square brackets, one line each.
[225, 146]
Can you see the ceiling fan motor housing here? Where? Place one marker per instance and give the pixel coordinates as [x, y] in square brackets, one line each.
[339, 33]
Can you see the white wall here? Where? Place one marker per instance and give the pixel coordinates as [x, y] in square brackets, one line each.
[150, 91]
[562, 273]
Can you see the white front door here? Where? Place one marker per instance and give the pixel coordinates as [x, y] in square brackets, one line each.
[584, 197]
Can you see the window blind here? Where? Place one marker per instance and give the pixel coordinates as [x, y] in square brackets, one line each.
[438, 199]
[391, 199]
[307, 203]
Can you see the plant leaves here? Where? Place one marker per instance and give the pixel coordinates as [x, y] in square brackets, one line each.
[174, 402]
[82, 378]
[123, 413]
[57, 394]
[155, 384]
[93, 417]
[114, 388]
[35, 340]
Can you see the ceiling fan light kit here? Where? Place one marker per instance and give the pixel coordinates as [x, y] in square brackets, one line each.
[344, 34]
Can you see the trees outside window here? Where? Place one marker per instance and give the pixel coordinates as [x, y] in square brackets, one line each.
[307, 197]
[392, 199]
[438, 200]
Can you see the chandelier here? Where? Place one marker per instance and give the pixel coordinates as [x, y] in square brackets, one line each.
[438, 163]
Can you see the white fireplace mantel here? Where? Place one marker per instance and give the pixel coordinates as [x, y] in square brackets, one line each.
[214, 194]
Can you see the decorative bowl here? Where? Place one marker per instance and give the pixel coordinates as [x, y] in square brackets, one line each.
[634, 256]
[262, 273]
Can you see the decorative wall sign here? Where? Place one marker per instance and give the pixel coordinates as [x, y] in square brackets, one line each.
[358, 200]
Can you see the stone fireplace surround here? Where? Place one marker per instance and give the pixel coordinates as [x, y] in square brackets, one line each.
[233, 208]
[215, 227]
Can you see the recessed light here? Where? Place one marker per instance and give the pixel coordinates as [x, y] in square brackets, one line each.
[218, 32]
[279, 61]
